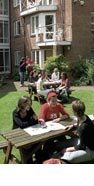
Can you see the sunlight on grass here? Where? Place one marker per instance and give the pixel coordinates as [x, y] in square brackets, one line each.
[9, 101]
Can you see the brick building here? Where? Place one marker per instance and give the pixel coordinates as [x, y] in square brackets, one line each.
[43, 28]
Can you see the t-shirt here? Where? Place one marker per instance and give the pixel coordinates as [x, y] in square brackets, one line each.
[48, 113]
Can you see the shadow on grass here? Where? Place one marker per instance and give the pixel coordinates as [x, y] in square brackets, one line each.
[9, 86]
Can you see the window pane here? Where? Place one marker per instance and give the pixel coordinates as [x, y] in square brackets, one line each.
[18, 27]
[37, 57]
[1, 32]
[33, 55]
[6, 60]
[6, 7]
[32, 27]
[6, 32]
[1, 61]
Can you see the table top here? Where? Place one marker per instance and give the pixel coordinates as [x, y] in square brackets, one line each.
[19, 137]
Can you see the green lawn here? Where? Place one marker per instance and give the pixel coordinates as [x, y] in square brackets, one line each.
[8, 102]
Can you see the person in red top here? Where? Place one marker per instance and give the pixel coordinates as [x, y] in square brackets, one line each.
[29, 64]
[54, 111]
[64, 87]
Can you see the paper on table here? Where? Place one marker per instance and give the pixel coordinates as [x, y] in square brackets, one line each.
[37, 129]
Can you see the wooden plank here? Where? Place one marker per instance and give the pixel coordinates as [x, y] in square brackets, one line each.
[3, 144]
[40, 138]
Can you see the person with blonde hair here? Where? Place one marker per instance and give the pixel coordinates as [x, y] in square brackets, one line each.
[55, 74]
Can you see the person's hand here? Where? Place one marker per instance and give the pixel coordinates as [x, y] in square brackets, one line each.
[42, 122]
[69, 127]
[56, 120]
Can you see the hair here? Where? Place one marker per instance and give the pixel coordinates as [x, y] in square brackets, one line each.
[78, 107]
[52, 93]
[22, 102]
[55, 69]
[64, 74]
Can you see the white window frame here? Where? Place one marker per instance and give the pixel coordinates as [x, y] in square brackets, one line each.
[17, 57]
[16, 3]
[54, 28]
[3, 38]
[6, 66]
[34, 24]
[92, 21]
[16, 24]
[34, 56]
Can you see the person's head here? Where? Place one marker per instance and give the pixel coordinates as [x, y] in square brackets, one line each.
[56, 70]
[24, 103]
[78, 108]
[52, 98]
[64, 75]
[22, 58]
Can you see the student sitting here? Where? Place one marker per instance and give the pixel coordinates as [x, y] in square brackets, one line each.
[64, 88]
[55, 112]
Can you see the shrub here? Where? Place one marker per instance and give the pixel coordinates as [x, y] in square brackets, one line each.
[56, 62]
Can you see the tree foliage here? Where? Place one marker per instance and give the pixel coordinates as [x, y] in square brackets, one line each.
[56, 62]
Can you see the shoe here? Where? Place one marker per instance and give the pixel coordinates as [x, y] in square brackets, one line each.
[21, 85]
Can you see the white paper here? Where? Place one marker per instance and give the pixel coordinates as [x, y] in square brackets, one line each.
[37, 129]
[91, 117]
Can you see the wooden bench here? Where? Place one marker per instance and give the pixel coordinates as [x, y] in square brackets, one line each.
[3, 146]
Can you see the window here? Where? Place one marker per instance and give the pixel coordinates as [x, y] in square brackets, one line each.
[17, 28]
[4, 31]
[92, 54]
[35, 56]
[4, 61]
[92, 21]
[49, 23]
[16, 3]
[34, 24]
[17, 57]
[4, 6]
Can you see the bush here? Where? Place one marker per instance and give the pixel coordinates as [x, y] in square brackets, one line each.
[82, 72]
[56, 62]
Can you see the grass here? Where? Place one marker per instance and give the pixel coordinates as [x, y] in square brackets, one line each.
[8, 102]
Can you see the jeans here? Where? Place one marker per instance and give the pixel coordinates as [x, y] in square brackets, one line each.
[22, 77]
[78, 156]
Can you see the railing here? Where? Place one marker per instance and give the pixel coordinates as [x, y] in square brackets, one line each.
[27, 4]
[56, 32]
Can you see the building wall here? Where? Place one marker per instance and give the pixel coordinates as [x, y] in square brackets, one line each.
[82, 37]
[68, 13]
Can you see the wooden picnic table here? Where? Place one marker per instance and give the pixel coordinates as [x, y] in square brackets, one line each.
[19, 138]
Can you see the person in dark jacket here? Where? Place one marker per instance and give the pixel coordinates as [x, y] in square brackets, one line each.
[24, 116]
[22, 70]
[80, 149]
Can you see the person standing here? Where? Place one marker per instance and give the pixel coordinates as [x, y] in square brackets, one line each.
[22, 70]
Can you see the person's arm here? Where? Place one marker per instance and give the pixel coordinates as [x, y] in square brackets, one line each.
[65, 114]
[82, 137]
[18, 122]
[42, 115]
[68, 149]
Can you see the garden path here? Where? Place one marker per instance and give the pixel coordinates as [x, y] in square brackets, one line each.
[15, 86]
